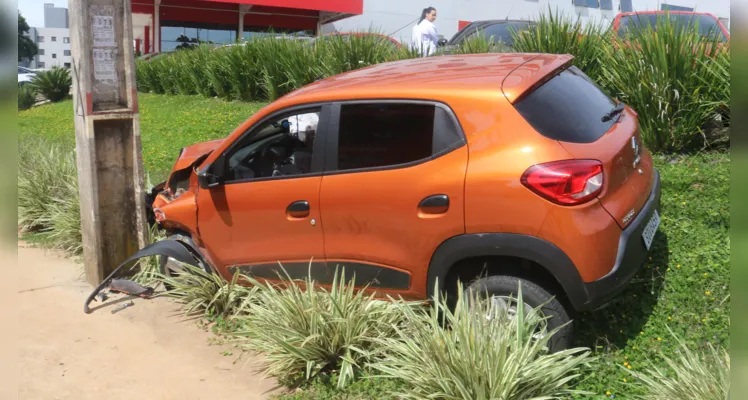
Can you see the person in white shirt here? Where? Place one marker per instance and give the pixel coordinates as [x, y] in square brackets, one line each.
[425, 37]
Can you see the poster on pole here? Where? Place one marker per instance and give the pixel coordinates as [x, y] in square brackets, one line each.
[103, 31]
[104, 64]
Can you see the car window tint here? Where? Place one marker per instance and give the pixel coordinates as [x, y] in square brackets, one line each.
[503, 32]
[280, 147]
[388, 134]
[706, 25]
[569, 107]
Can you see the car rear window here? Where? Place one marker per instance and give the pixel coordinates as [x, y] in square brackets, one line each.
[705, 24]
[569, 107]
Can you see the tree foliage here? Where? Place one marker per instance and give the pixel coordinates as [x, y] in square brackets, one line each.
[26, 47]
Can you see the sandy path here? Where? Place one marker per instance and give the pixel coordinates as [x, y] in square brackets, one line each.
[143, 352]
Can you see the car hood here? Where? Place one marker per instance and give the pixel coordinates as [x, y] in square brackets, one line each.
[191, 153]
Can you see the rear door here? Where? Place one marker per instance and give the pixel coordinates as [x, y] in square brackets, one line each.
[392, 191]
[572, 109]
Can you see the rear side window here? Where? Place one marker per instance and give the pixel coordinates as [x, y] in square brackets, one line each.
[391, 134]
[569, 107]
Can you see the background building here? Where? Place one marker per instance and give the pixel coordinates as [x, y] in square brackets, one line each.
[53, 40]
[397, 17]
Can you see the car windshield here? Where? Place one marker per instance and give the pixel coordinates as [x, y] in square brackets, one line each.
[707, 25]
[500, 31]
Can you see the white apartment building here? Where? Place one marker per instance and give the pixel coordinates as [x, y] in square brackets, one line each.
[53, 40]
[397, 17]
[54, 47]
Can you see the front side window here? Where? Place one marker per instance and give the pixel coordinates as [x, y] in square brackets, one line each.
[391, 134]
[54, 55]
[40, 39]
[54, 38]
[280, 147]
[66, 52]
[66, 40]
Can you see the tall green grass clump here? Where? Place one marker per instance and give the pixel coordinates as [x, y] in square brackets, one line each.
[557, 33]
[307, 331]
[479, 44]
[347, 53]
[285, 65]
[671, 76]
[696, 375]
[48, 200]
[206, 293]
[241, 66]
[26, 97]
[477, 351]
[147, 77]
[53, 84]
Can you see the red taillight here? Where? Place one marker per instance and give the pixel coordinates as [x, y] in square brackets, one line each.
[567, 183]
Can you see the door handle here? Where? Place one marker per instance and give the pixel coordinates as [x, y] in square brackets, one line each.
[298, 209]
[436, 204]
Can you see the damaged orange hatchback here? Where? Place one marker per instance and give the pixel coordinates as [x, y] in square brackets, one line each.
[497, 170]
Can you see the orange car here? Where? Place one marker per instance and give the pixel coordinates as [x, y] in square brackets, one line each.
[492, 169]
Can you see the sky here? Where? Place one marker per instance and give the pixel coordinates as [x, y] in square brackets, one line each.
[33, 10]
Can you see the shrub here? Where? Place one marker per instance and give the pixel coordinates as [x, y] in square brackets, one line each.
[306, 331]
[662, 76]
[556, 33]
[147, 76]
[149, 273]
[53, 84]
[206, 293]
[26, 97]
[341, 53]
[695, 375]
[478, 44]
[476, 357]
[43, 171]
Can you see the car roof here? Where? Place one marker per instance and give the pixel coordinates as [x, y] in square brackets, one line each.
[432, 78]
[628, 14]
[500, 21]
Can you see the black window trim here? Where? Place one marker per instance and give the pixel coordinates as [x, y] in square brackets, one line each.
[318, 151]
[331, 146]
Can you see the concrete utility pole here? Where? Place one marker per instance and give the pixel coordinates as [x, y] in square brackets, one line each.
[107, 134]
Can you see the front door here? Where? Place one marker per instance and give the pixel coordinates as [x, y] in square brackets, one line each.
[392, 192]
[267, 212]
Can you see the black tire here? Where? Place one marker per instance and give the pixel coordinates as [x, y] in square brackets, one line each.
[534, 296]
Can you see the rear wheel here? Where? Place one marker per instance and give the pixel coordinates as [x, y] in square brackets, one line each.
[502, 290]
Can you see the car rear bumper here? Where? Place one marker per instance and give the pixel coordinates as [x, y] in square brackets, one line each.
[631, 255]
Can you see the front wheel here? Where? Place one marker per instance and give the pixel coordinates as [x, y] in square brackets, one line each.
[170, 267]
[502, 289]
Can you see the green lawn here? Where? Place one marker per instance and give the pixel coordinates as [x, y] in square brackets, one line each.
[685, 285]
[167, 123]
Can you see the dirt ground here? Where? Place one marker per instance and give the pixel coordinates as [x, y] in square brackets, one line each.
[148, 351]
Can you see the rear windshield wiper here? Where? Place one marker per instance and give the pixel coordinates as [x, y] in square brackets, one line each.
[612, 113]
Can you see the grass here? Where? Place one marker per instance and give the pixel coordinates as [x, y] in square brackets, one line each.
[684, 287]
[167, 123]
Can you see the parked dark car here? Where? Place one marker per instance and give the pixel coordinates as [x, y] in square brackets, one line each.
[498, 30]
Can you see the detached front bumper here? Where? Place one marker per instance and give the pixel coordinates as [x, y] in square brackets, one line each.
[631, 255]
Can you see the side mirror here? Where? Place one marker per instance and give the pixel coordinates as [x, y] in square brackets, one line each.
[441, 42]
[206, 180]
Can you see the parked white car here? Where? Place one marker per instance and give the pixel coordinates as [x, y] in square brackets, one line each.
[25, 75]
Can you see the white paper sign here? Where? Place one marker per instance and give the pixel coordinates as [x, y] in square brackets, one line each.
[104, 68]
[103, 31]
